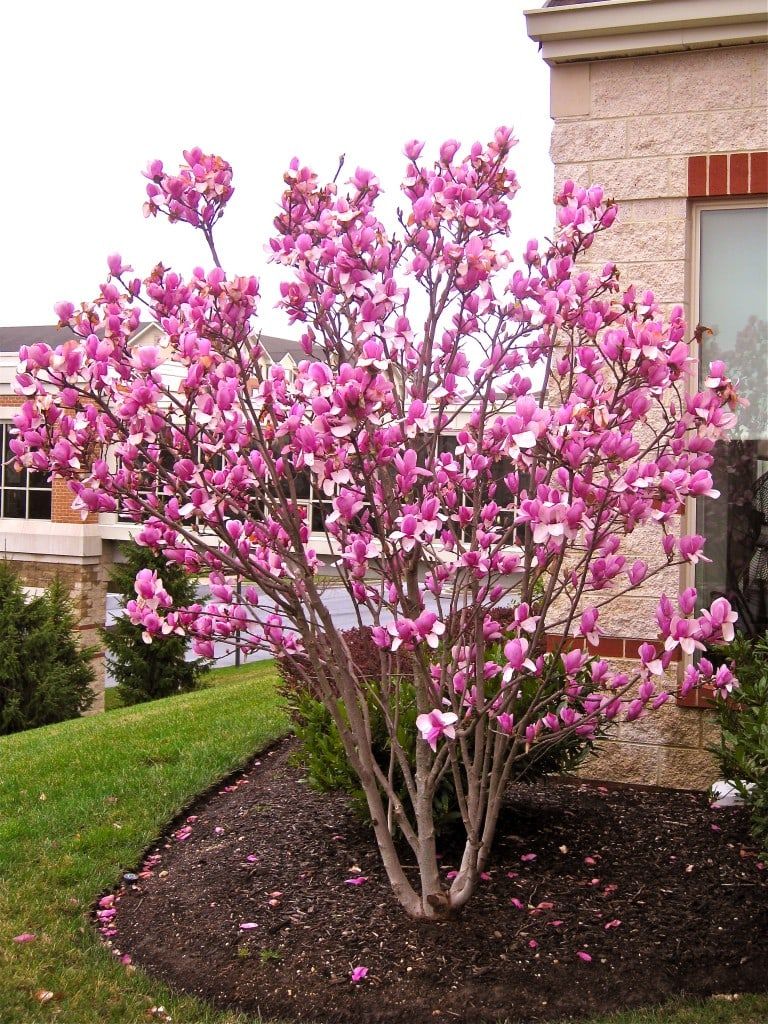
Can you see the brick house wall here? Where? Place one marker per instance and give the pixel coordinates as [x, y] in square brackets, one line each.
[657, 130]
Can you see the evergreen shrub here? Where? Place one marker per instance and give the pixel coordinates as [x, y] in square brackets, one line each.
[743, 720]
[45, 675]
[148, 671]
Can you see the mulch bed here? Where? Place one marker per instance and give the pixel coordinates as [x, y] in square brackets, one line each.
[267, 851]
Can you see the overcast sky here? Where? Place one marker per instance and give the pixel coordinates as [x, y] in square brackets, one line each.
[92, 90]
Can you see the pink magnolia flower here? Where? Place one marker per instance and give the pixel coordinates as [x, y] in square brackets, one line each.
[692, 549]
[637, 572]
[435, 725]
[720, 618]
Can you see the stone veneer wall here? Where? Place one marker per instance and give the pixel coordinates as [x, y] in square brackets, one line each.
[87, 586]
[639, 126]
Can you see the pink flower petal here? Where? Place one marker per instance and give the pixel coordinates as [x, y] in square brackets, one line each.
[357, 880]
[528, 857]
[613, 924]
[484, 876]
[533, 944]
[251, 858]
[248, 926]
[25, 937]
[357, 974]
[584, 956]
[517, 903]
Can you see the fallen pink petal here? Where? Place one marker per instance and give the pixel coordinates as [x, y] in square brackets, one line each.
[357, 974]
[584, 956]
[612, 924]
[357, 880]
[526, 857]
[248, 926]
[25, 937]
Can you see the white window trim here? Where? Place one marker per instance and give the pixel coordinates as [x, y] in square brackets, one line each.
[7, 422]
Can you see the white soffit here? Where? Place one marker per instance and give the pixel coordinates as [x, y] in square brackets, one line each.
[621, 28]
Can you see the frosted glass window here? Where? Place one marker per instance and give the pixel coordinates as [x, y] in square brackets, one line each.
[733, 304]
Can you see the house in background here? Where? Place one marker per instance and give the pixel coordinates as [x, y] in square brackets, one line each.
[39, 531]
[664, 103]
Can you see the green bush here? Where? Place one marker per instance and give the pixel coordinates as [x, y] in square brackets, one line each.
[45, 676]
[326, 763]
[148, 671]
[743, 720]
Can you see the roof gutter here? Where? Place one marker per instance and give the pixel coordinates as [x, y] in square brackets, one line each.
[621, 28]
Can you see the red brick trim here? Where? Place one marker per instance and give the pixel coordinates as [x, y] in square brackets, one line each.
[728, 174]
[758, 172]
[697, 176]
[738, 164]
[610, 646]
[628, 647]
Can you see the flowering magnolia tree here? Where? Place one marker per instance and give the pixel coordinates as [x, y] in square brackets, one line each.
[463, 553]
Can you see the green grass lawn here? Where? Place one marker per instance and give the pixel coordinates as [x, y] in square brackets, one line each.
[80, 801]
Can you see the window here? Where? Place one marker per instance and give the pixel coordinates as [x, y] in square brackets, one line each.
[733, 304]
[24, 494]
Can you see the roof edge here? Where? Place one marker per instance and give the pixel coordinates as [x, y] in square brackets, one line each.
[616, 28]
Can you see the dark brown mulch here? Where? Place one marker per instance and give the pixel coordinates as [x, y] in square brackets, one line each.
[266, 850]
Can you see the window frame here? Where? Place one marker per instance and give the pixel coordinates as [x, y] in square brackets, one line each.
[6, 425]
[697, 207]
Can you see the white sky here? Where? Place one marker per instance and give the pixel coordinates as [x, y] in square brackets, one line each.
[91, 91]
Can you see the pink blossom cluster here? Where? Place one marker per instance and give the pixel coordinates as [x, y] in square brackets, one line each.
[196, 195]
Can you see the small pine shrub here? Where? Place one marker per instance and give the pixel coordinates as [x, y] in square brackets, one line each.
[325, 761]
[45, 675]
[148, 671]
[743, 719]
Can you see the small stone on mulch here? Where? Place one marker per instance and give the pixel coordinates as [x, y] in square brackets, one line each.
[633, 896]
